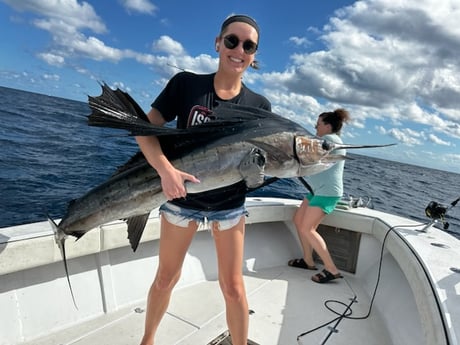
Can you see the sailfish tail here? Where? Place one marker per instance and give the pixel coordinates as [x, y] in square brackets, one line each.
[60, 238]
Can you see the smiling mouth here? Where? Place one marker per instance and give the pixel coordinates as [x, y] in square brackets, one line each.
[236, 60]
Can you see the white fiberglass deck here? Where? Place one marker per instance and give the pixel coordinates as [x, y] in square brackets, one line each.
[283, 301]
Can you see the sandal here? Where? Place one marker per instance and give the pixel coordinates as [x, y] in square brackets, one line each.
[300, 263]
[325, 277]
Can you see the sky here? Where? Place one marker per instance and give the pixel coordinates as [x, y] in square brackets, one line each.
[393, 64]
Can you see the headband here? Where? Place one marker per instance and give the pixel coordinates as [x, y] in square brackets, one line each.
[242, 19]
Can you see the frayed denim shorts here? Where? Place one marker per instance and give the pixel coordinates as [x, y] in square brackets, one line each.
[181, 216]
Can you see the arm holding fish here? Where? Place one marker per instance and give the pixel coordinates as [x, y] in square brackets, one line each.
[172, 179]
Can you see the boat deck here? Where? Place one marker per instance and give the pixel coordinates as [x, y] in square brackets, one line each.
[283, 304]
[416, 301]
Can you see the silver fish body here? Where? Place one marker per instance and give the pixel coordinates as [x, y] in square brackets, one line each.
[213, 152]
[137, 191]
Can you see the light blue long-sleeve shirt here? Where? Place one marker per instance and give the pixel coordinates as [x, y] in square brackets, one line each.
[330, 181]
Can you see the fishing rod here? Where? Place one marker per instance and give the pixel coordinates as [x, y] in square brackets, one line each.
[437, 212]
[174, 66]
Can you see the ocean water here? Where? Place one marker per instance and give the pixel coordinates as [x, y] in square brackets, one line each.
[49, 156]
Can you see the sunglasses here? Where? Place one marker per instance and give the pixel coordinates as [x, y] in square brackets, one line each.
[232, 41]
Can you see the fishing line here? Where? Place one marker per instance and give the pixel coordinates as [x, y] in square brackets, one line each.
[306, 185]
[346, 314]
[434, 211]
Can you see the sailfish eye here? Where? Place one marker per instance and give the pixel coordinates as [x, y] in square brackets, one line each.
[327, 146]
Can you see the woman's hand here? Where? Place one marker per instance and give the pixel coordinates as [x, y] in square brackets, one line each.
[173, 183]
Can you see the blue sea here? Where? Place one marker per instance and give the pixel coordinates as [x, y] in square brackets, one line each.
[49, 156]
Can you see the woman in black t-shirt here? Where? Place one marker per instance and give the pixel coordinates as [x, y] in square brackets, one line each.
[190, 98]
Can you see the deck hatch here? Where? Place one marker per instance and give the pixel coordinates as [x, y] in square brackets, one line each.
[343, 245]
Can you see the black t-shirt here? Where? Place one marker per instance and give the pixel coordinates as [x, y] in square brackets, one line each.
[190, 98]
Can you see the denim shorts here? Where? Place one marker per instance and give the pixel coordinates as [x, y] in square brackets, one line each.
[325, 203]
[181, 216]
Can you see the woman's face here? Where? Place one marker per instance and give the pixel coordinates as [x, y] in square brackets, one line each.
[244, 38]
[322, 128]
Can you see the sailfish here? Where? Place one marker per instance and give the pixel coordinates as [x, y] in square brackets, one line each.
[242, 143]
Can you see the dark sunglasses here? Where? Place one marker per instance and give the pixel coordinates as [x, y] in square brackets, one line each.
[232, 41]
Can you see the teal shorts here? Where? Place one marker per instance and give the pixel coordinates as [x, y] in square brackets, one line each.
[326, 203]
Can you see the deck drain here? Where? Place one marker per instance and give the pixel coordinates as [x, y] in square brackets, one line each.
[225, 339]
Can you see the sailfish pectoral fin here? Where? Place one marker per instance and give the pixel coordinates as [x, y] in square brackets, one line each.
[136, 226]
[252, 168]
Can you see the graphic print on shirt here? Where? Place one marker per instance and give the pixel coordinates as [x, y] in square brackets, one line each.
[199, 115]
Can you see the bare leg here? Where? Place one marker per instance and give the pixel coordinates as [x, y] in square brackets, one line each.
[174, 242]
[306, 247]
[230, 250]
[307, 224]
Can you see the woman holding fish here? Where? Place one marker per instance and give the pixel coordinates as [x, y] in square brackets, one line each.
[190, 98]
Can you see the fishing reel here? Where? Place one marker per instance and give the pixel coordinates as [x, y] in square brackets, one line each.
[437, 212]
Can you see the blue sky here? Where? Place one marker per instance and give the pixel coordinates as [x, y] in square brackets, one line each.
[393, 64]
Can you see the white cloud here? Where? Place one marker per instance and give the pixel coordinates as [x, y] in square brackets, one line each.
[169, 46]
[120, 85]
[95, 49]
[405, 136]
[438, 141]
[71, 12]
[53, 77]
[398, 58]
[299, 41]
[52, 59]
[452, 158]
[65, 20]
[140, 6]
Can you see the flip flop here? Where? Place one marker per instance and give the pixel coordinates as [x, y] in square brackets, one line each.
[300, 263]
[325, 277]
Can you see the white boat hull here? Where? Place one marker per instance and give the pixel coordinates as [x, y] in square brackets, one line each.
[417, 300]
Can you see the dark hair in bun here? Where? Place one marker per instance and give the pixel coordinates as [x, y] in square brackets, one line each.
[336, 119]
